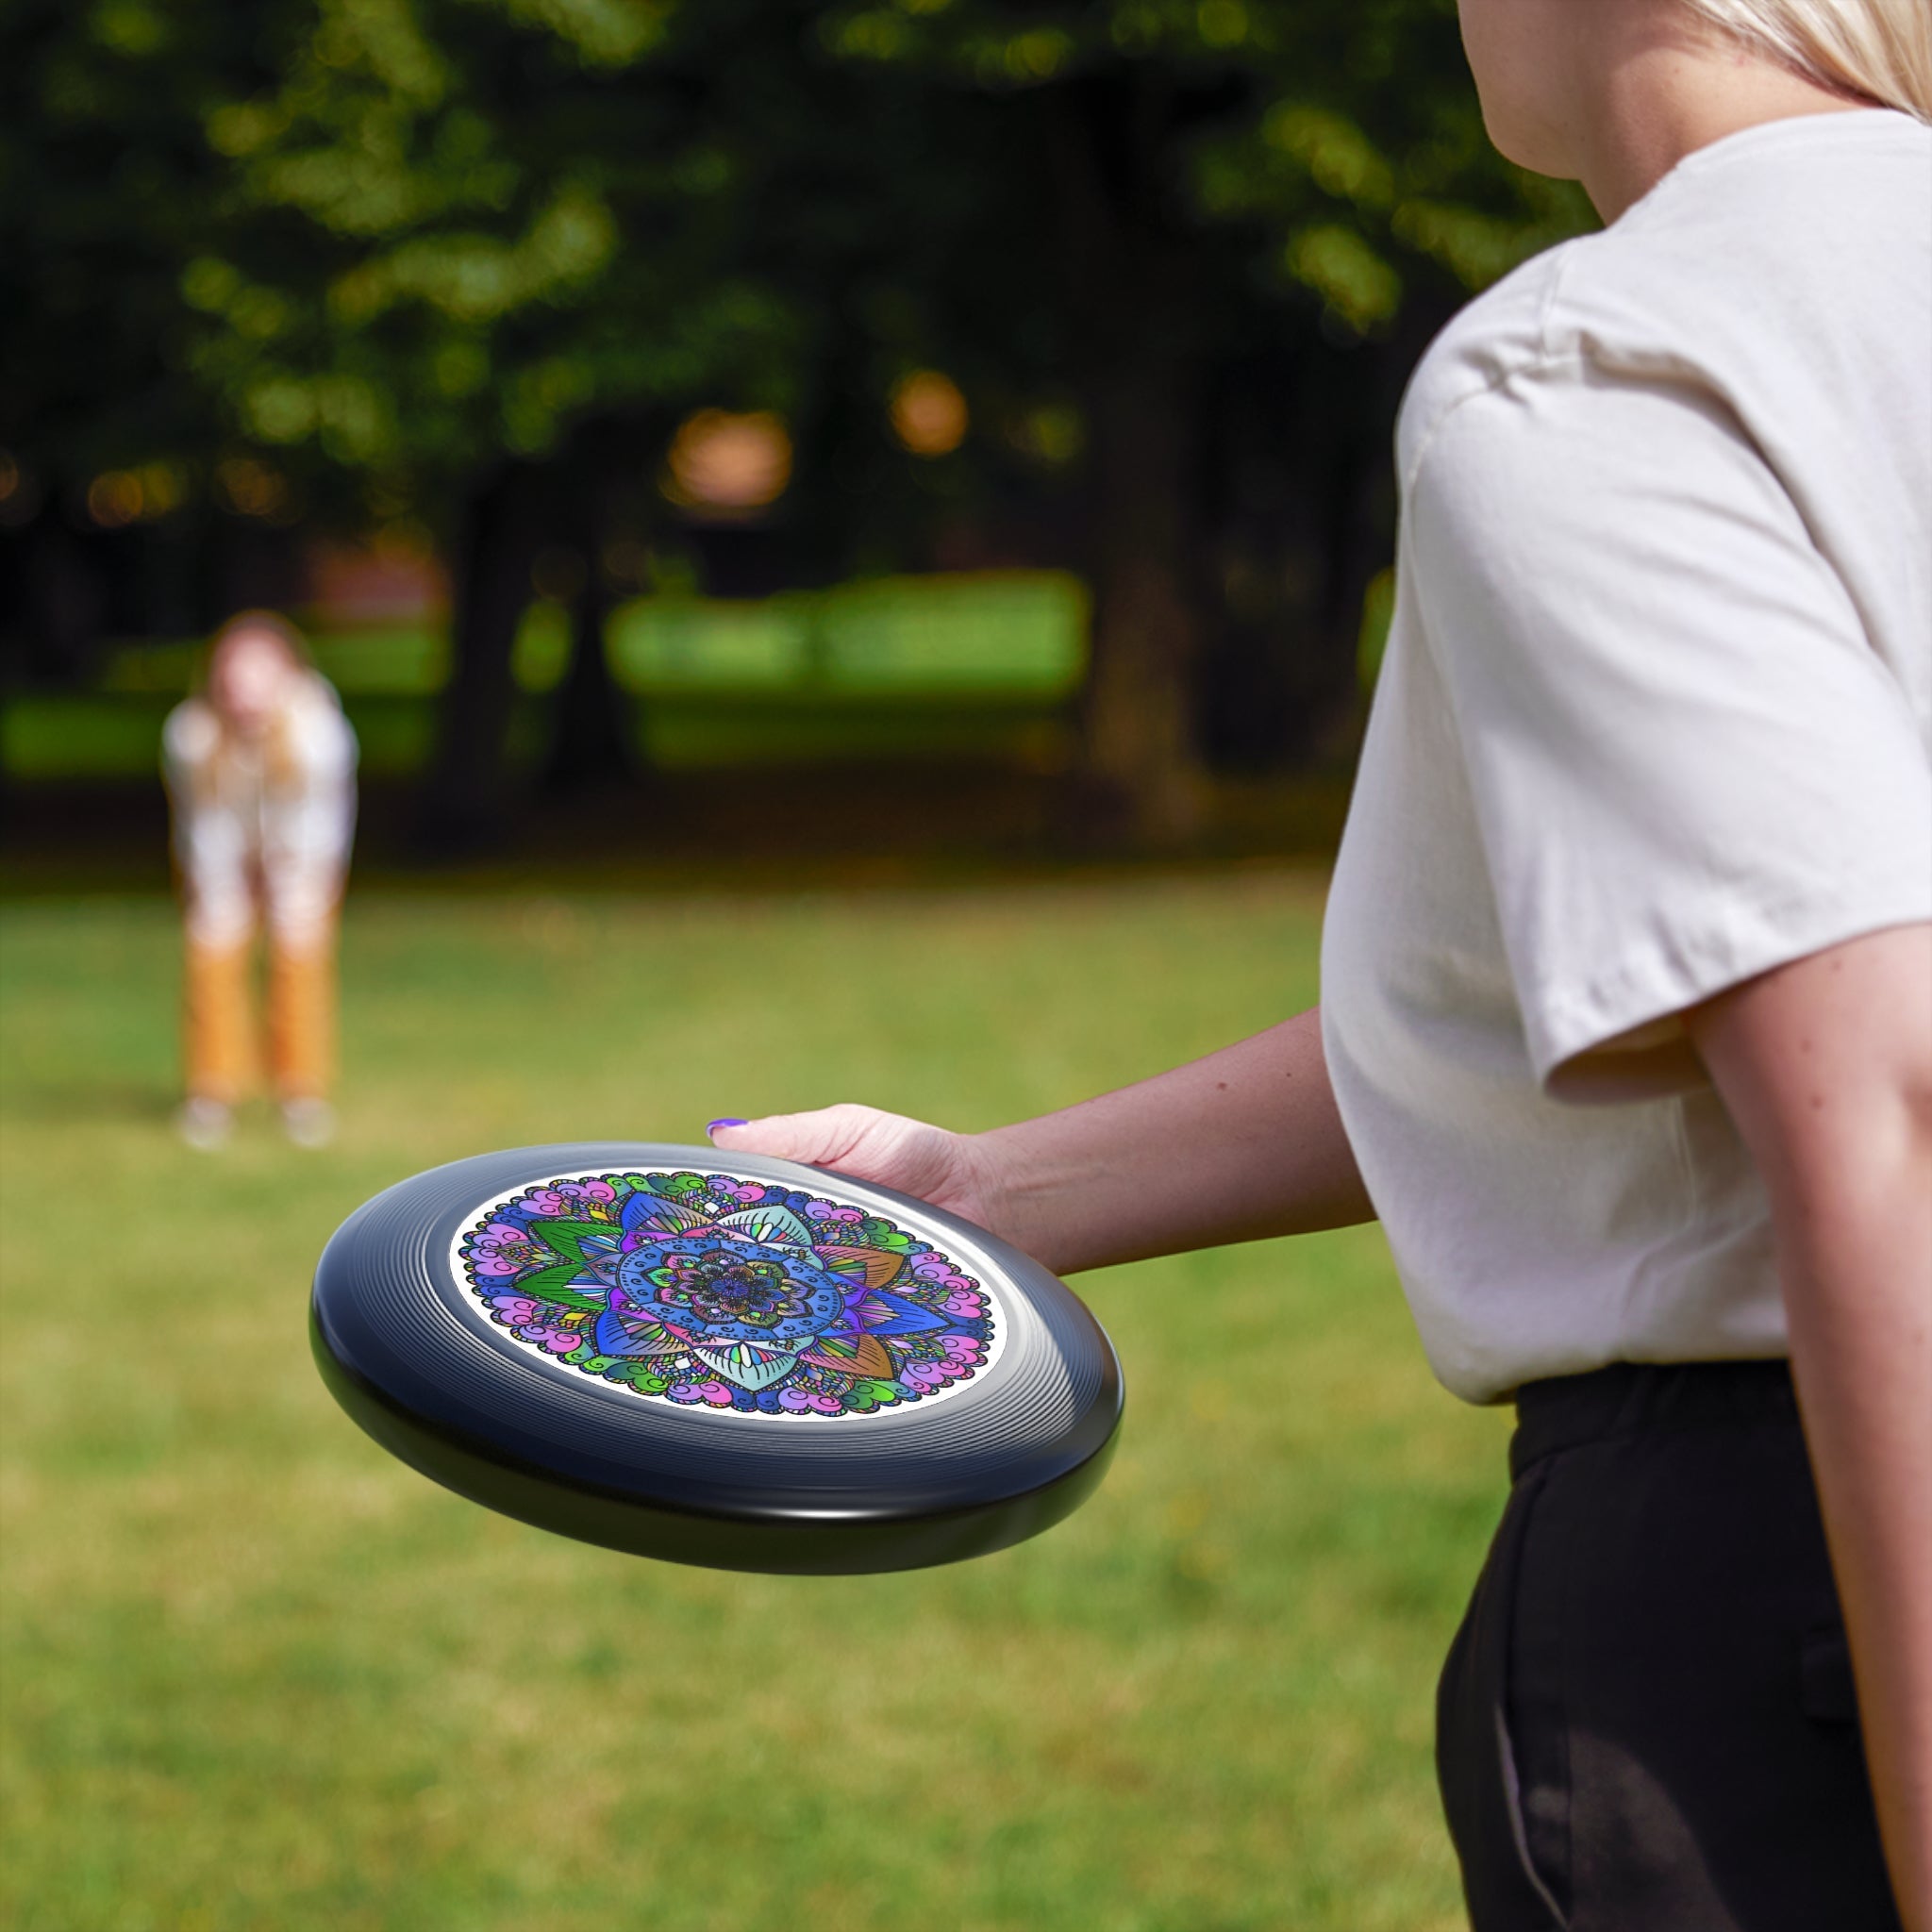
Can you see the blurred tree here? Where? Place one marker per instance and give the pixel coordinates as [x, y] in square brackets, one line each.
[1234, 195]
[468, 264]
[528, 239]
[107, 188]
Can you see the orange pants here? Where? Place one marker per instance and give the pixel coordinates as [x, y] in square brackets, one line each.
[219, 1030]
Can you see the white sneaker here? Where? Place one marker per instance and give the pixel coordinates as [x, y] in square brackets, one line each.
[309, 1122]
[204, 1124]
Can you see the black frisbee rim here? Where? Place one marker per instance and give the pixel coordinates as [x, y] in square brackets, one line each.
[987, 1469]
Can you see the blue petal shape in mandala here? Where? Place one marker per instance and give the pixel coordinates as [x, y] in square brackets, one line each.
[600, 1253]
[659, 1215]
[774, 1223]
[885, 1313]
[615, 1335]
[748, 1365]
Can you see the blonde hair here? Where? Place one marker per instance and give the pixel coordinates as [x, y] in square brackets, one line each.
[1879, 50]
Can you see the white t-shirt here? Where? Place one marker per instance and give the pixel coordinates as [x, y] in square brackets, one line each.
[251, 827]
[1656, 716]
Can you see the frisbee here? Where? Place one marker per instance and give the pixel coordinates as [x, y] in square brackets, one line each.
[716, 1358]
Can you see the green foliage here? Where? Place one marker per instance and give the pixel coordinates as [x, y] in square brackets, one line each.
[396, 239]
[106, 190]
[1346, 133]
[468, 287]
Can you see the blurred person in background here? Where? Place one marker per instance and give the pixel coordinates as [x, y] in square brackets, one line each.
[260, 769]
[1627, 1020]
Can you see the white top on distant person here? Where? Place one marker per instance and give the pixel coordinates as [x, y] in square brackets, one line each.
[260, 767]
[1629, 962]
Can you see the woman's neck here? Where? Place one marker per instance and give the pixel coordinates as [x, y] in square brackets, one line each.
[1655, 96]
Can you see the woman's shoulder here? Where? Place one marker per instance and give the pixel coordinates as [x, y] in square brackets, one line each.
[1497, 336]
[191, 733]
[1789, 253]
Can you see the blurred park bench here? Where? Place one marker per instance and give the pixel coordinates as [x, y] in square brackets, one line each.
[982, 665]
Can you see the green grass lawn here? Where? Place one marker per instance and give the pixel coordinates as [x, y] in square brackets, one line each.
[257, 1675]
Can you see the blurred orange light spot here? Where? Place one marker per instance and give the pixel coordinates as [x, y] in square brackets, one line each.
[728, 465]
[929, 415]
[250, 488]
[9, 476]
[114, 499]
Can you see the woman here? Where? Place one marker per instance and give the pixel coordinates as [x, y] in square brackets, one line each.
[260, 769]
[1627, 1020]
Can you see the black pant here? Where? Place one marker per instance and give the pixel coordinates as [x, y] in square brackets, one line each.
[1646, 1721]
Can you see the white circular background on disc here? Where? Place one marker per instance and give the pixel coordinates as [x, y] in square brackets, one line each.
[727, 1296]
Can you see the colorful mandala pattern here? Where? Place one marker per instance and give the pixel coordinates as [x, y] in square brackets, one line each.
[729, 1294]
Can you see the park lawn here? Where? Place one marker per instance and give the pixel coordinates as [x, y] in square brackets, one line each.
[257, 1675]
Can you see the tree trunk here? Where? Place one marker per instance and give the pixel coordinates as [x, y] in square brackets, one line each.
[1140, 738]
[62, 601]
[591, 741]
[468, 796]
[1133, 305]
[594, 739]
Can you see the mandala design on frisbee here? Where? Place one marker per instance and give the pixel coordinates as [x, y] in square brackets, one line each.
[717, 1292]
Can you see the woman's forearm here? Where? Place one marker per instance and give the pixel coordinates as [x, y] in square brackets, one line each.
[1826, 1068]
[1859, 1297]
[1244, 1144]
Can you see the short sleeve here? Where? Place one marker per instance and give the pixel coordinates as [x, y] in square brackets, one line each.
[1688, 763]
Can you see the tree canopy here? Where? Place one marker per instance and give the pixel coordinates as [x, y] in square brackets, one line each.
[433, 260]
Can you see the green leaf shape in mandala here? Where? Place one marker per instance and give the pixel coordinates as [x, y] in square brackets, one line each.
[554, 1284]
[567, 1238]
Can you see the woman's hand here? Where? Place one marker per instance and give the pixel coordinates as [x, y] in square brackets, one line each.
[952, 1171]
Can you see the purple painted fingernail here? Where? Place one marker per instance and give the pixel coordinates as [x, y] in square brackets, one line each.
[716, 1124]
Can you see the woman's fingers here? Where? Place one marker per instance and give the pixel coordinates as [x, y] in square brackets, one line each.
[818, 1138]
[888, 1148]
